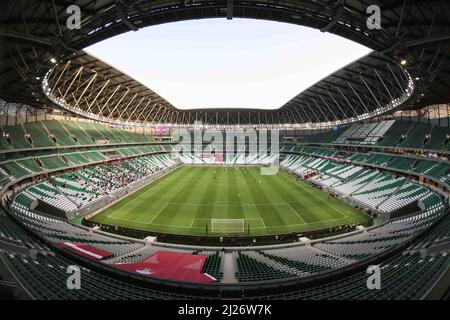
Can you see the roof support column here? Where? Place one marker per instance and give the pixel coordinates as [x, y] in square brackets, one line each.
[230, 9]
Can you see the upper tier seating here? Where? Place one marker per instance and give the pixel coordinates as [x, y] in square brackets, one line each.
[54, 133]
[38, 134]
[356, 182]
[4, 177]
[17, 137]
[439, 138]
[4, 143]
[395, 135]
[389, 133]
[324, 137]
[434, 169]
[77, 133]
[62, 136]
[416, 136]
[365, 134]
[15, 169]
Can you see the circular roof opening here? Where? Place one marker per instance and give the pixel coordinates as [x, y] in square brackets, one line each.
[217, 63]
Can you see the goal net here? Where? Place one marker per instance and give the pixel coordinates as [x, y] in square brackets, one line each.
[227, 225]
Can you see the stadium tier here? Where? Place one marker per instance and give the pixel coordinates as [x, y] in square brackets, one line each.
[52, 133]
[59, 133]
[44, 208]
[250, 265]
[389, 133]
[227, 185]
[39, 135]
[42, 274]
[16, 136]
[365, 133]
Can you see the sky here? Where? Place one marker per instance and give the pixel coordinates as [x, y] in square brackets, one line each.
[219, 63]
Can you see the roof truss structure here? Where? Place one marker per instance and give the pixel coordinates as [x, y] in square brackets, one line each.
[34, 31]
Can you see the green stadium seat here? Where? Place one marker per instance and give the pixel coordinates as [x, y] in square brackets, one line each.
[76, 158]
[95, 155]
[377, 159]
[4, 143]
[402, 163]
[439, 137]
[53, 162]
[17, 136]
[39, 135]
[394, 135]
[21, 168]
[416, 136]
[77, 133]
[62, 136]
[92, 130]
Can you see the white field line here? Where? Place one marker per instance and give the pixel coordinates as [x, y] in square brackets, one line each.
[333, 207]
[253, 228]
[158, 213]
[226, 219]
[262, 220]
[297, 214]
[133, 192]
[215, 205]
[191, 226]
[212, 204]
[156, 224]
[302, 224]
[137, 220]
[245, 219]
[227, 230]
[227, 204]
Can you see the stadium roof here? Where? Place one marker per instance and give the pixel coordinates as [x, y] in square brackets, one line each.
[417, 33]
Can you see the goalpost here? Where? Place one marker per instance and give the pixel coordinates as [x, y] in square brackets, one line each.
[228, 225]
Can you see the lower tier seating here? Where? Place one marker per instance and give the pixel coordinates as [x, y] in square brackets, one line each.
[259, 264]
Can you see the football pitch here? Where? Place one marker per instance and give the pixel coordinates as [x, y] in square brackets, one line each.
[229, 201]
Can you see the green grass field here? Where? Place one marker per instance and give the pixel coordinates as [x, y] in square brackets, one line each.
[186, 200]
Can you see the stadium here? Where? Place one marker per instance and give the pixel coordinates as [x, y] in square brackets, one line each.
[106, 183]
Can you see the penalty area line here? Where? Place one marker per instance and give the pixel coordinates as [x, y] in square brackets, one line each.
[318, 198]
[157, 214]
[297, 214]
